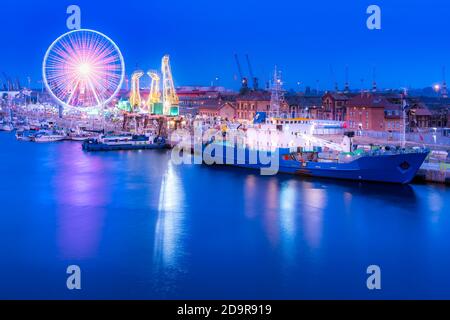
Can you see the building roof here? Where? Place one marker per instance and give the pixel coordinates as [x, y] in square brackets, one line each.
[304, 101]
[254, 96]
[369, 100]
[423, 112]
[420, 109]
[214, 105]
[337, 96]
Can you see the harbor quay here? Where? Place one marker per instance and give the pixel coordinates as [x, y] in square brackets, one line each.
[181, 132]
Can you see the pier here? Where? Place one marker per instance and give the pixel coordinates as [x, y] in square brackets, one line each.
[434, 172]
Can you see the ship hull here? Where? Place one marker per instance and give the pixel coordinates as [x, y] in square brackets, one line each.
[396, 168]
[388, 168]
[104, 147]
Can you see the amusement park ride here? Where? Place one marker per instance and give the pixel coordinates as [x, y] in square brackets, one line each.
[84, 70]
[168, 106]
[154, 103]
[135, 97]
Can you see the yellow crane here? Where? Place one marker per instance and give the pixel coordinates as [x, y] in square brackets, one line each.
[135, 95]
[154, 96]
[170, 98]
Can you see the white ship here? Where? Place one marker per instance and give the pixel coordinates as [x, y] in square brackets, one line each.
[48, 137]
[6, 127]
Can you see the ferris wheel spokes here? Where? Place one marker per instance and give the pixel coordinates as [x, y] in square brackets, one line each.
[83, 68]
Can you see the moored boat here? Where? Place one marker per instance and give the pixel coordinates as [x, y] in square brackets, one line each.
[25, 135]
[48, 137]
[80, 135]
[393, 166]
[124, 142]
[289, 146]
[6, 127]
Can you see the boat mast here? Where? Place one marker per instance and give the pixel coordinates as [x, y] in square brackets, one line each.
[276, 93]
[404, 106]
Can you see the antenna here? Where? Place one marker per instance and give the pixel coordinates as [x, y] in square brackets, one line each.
[444, 91]
[374, 81]
[346, 87]
[333, 78]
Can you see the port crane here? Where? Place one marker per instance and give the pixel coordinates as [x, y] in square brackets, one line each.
[244, 80]
[255, 80]
[8, 84]
[135, 96]
[155, 93]
[170, 98]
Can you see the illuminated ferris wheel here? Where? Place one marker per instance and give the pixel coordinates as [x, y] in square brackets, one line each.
[83, 69]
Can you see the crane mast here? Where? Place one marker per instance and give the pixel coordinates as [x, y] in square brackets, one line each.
[135, 95]
[170, 98]
[244, 81]
[255, 80]
[155, 93]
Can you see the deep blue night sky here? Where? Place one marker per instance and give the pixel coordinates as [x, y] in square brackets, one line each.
[306, 39]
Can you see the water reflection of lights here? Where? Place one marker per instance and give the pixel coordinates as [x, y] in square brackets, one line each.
[287, 208]
[314, 203]
[169, 226]
[348, 197]
[288, 202]
[435, 203]
[271, 215]
[250, 196]
[80, 199]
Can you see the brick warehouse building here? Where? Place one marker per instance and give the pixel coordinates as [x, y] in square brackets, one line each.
[367, 111]
[218, 108]
[334, 106]
[248, 104]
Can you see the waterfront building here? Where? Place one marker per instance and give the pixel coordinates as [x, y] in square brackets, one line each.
[334, 106]
[218, 108]
[419, 116]
[305, 106]
[393, 118]
[367, 111]
[192, 98]
[251, 102]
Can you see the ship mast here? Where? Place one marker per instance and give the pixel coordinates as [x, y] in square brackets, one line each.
[276, 93]
[404, 106]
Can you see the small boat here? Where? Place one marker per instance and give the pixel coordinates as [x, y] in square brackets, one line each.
[80, 135]
[124, 142]
[48, 137]
[6, 127]
[25, 135]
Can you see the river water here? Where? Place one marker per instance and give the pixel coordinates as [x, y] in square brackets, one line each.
[141, 227]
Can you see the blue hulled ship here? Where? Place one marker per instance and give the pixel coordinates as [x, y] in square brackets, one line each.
[392, 166]
[291, 145]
